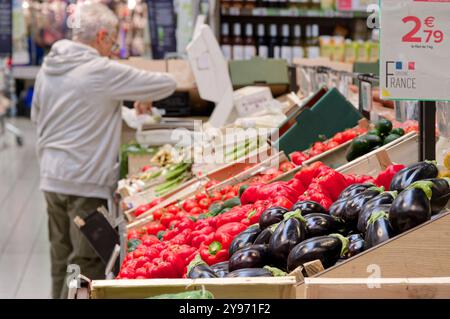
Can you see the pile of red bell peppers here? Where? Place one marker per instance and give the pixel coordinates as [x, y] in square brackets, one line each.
[164, 247]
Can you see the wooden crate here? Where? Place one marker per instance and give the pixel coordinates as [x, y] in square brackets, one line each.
[221, 288]
[384, 288]
[422, 252]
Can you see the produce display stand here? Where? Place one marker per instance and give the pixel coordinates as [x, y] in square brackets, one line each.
[420, 255]
[221, 288]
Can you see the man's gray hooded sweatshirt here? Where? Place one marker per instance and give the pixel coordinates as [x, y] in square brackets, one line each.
[77, 109]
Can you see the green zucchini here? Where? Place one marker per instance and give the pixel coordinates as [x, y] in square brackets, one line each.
[235, 201]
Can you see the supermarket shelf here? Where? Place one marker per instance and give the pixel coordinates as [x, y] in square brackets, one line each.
[291, 13]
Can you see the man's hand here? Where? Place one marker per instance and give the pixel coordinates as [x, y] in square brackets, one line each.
[143, 107]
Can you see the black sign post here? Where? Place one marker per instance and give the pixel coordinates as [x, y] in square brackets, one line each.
[162, 22]
[427, 125]
[5, 28]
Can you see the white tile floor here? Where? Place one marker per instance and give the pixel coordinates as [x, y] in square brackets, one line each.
[24, 248]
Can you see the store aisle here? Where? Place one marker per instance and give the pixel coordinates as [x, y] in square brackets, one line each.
[24, 248]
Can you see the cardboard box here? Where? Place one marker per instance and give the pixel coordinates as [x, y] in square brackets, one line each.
[258, 71]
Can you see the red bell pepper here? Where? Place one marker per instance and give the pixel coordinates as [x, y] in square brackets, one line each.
[214, 253]
[167, 219]
[160, 268]
[236, 214]
[202, 235]
[226, 233]
[333, 183]
[385, 177]
[251, 194]
[297, 185]
[307, 174]
[282, 201]
[182, 238]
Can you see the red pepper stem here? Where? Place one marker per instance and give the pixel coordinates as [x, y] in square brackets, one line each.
[214, 248]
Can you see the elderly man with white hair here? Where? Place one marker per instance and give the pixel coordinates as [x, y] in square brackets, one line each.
[77, 110]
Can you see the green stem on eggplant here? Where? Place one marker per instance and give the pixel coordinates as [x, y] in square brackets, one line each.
[295, 214]
[275, 271]
[432, 162]
[376, 188]
[195, 262]
[345, 243]
[425, 186]
[376, 216]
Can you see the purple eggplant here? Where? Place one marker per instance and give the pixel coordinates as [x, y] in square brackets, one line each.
[413, 173]
[309, 207]
[367, 212]
[384, 198]
[441, 194]
[290, 232]
[354, 189]
[244, 239]
[197, 268]
[250, 272]
[378, 229]
[221, 269]
[271, 216]
[337, 209]
[322, 224]
[264, 236]
[355, 245]
[411, 207]
[356, 203]
[254, 256]
[328, 249]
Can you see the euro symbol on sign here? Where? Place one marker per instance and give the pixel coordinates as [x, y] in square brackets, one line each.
[429, 22]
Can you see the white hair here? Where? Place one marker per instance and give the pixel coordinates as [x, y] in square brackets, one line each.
[91, 18]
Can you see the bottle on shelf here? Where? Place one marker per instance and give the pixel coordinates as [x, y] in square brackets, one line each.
[250, 4]
[225, 42]
[297, 44]
[314, 5]
[350, 51]
[283, 4]
[286, 48]
[261, 41]
[303, 4]
[327, 5]
[313, 44]
[338, 48]
[225, 4]
[238, 4]
[238, 43]
[326, 48]
[249, 42]
[274, 45]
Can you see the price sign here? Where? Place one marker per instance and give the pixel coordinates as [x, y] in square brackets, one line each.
[415, 49]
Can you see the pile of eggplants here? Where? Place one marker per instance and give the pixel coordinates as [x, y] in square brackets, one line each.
[363, 217]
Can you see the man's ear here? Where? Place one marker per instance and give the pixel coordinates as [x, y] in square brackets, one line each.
[101, 35]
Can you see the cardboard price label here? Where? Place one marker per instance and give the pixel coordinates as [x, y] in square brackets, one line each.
[415, 46]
